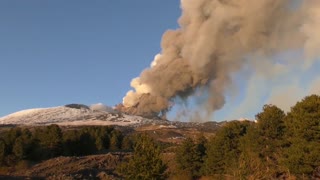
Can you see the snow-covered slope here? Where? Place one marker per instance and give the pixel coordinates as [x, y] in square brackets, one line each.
[64, 115]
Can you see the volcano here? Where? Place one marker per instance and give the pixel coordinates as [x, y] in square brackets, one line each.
[72, 114]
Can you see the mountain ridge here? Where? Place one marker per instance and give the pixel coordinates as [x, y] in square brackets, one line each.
[97, 114]
[73, 114]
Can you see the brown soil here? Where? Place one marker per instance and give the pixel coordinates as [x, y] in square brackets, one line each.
[86, 167]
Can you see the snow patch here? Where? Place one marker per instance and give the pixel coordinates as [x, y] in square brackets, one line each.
[97, 114]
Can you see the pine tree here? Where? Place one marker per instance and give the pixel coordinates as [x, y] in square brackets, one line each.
[223, 150]
[302, 156]
[115, 140]
[270, 131]
[271, 122]
[127, 143]
[11, 136]
[304, 119]
[189, 157]
[19, 149]
[261, 146]
[2, 151]
[146, 162]
[50, 141]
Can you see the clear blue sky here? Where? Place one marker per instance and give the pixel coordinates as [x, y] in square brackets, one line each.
[54, 52]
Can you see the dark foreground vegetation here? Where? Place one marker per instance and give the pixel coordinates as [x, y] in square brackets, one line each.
[277, 146]
[41, 143]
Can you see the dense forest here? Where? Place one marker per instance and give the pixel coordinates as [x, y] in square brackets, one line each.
[278, 146]
[41, 143]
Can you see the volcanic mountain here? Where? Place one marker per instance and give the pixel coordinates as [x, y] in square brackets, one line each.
[72, 114]
[98, 114]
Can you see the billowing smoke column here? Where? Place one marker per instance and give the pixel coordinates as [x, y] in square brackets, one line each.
[214, 41]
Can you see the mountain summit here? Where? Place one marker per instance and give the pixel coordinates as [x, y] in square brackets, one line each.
[71, 114]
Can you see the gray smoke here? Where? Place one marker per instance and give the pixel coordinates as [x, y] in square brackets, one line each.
[102, 107]
[214, 42]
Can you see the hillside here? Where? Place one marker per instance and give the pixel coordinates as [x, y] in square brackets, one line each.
[100, 115]
[72, 114]
[85, 167]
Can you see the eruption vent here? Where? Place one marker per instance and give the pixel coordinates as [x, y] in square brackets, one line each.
[216, 39]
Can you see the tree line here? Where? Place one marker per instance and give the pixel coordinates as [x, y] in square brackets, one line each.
[43, 143]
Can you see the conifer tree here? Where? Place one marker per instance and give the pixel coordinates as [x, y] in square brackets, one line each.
[270, 131]
[2, 151]
[189, 157]
[146, 162]
[223, 150]
[302, 156]
[261, 146]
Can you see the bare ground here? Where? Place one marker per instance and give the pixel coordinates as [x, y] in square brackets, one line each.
[64, 168]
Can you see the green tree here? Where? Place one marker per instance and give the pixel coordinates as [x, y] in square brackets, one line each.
[71, 143]
[202, 143]
[115, 140]
[302, 156]
[304, 119]
[127, 143]
[250, 164]
[189, 157]
[2, 151]
[223, 150]
[269, 137]
[50, 141]
[99, 143]
[87, 144]
[270, 122]
[11, 136]
[262, 145]
[19, 149]
[18, 143]
[103, 139]
[146, 162]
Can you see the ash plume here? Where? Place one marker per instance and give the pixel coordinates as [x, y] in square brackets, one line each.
[216, 39]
